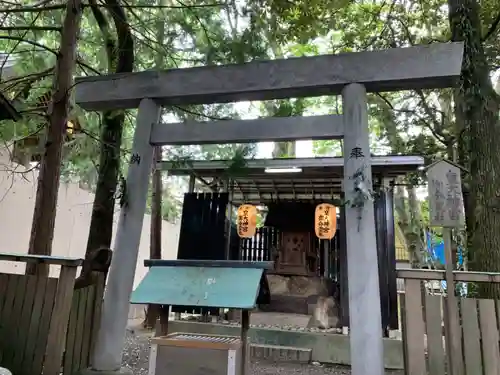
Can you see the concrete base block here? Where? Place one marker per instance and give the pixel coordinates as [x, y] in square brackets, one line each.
[277, 353]
[120, 371]
[326, 347]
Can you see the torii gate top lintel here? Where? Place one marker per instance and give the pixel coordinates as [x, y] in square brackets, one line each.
[421, 67]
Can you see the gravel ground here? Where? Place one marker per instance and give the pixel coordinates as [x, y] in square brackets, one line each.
[136, 357]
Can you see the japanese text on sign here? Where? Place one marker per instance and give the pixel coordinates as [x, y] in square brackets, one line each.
[453, 196]
[437, 187]
[445, 195]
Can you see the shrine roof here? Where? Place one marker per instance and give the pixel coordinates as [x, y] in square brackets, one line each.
[263, 180]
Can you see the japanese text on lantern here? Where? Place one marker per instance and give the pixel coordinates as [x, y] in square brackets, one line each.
[325, 221]
[247, 220]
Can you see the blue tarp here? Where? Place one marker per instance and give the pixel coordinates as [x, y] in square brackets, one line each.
[436, 251]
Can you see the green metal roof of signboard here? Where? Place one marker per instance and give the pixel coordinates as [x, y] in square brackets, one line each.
[228, 284]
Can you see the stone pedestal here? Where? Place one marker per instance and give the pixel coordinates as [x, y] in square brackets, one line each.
[302, 295]
[119, 371]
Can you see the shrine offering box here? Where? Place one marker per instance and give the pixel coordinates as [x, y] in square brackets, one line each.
[195, 354]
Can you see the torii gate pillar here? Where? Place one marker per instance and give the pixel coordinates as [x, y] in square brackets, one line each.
[365, 322]
[107, 354]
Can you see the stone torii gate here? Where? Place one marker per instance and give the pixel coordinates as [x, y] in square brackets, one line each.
[352, 75]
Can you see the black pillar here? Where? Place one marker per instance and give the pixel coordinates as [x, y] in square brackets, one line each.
[386, 249]
[384, 221]
[343, 282]
[391, 259]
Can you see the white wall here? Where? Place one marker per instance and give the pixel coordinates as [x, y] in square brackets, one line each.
[74, 208]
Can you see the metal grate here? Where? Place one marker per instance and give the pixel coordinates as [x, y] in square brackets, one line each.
[214, 339]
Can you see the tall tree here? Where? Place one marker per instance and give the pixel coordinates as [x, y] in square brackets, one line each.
[120, 55]
[477, 108]
[44, 215]
[155, 235]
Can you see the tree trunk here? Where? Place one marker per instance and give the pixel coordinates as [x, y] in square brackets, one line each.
[101, 223]
[416, 237]
[477, 108]
[284, 107]
[284, 150]
[153, 311]
[156, 205]
[44, 215]
[120, 60]
[408, 221]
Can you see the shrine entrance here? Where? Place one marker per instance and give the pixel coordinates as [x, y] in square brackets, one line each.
[351, 75]
[304, 266]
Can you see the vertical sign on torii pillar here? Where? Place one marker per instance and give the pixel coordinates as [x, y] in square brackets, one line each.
[365, 321]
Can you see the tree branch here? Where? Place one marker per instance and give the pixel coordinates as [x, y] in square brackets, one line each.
[33, 43]
[493, 28]
[125, 39]
[439, 136]
[62, 6]
[30, 28]
[437, 128]
[45, 48]
[103, 25]
[32, 9]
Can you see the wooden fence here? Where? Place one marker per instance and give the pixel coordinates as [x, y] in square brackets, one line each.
[258, 247]
[440, 338]
[45, 326]
[82, 327]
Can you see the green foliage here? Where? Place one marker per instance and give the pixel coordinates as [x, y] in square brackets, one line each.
[196, 34]
[327, 148]
[299, 21]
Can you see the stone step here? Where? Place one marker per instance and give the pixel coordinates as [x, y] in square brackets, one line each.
[279, 353]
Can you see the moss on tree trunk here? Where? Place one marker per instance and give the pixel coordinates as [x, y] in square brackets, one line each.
[120, 52]
[44, 215]
[477, 109]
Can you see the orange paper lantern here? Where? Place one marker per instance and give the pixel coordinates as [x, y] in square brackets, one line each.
[247, 220]
[325, 221]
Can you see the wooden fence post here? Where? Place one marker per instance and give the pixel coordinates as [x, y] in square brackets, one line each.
[452, 318]
[59, 321]
[414, 325]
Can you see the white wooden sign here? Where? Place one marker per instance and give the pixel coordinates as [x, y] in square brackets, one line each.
[446, 207]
